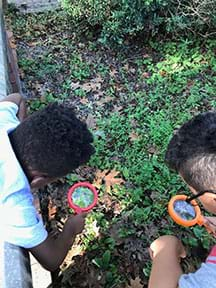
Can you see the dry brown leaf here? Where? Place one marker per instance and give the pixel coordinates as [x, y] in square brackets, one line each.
[98, 95]
[104, 100]
[152, 150]
[84, 100]
[37, 86]
[135, 283]
[133, 136]
[163, 73]
[113, 72]
[132, 70]
[32, 44]
[75, 85]
[107, 200]
[118, 108]
[146, 56]
[146, 75]
[98, 79]
[12, 44]
[91, 86]
[52, 209]
[21, 73]
[90, 121]
[110, 180]
[99, 176]
[87, 87]
[117, 209]
[126, 67]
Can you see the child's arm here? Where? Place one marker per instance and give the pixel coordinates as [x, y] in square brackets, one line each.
[20, 102]
[51, 253]
[166, 252]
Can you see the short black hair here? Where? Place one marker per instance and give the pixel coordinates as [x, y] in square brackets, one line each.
[52, 141]
[192, 151]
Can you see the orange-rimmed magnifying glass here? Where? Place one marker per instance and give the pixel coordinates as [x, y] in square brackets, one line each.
[184, 212]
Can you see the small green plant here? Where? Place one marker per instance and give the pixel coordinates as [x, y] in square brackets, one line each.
[104, 261]
[36, 104]
[80, 70]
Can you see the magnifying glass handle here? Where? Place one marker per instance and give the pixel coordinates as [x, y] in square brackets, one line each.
[201, 221]
[78, 210]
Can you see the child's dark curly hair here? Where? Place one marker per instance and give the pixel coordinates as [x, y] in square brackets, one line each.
[52, 141]
[192, 151]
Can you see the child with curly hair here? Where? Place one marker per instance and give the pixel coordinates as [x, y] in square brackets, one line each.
[34, 152]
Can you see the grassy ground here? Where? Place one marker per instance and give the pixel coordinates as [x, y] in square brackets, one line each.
[132, 100]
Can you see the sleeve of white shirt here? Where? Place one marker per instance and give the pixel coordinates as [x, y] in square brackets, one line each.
[23, 226]
[20, 223]
[8, 112]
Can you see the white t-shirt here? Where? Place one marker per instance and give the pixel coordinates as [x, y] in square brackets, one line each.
[20, 223]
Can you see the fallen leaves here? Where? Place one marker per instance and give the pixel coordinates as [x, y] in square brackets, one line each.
[52, 209]
[113, 72]
[90, 121]
[133, 136]
[93, 85]
[163, 73]
[104, 100]
[109, 178]
[136, 283]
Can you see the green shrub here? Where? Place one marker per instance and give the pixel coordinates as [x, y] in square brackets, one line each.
[118, 19]
[194, 16]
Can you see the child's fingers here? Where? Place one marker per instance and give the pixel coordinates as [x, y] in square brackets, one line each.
[150, 253]
[183, 253]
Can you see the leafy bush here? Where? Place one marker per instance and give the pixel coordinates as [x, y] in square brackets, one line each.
[120, 18]
[198, 17]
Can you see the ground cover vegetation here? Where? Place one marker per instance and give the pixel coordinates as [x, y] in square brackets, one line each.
[132, 99]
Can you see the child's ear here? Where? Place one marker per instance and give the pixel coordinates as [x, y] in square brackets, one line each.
[38, 181]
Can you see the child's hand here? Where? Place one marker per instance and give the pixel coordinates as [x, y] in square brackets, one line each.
[168, 243]
[75, 224]
[210, 225]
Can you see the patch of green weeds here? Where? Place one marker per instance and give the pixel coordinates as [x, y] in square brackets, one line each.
[178, 87]
[36, 104]
[80, 69]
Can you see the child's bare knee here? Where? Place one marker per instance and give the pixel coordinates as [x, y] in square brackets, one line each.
[168, 243]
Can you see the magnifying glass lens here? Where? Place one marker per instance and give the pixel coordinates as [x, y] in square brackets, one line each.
[82, 197]
[184, 210]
